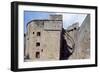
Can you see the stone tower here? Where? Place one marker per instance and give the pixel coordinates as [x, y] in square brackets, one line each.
[43, 39]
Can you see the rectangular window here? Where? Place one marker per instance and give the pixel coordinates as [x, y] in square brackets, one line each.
[37, 55]
[33, 32]
[38, 44]
[38, 33]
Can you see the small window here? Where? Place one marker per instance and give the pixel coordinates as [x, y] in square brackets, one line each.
[37, 55]
[74, 28]
[38, 33]
[33, 32]
[37, 44]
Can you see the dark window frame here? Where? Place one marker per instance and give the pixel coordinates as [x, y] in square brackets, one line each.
[37, 55]
[38, 33]
[37, 44]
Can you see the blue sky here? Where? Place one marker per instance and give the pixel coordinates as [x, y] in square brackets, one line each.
[68, 18]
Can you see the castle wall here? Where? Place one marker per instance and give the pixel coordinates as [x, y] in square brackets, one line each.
[82, 40]
[46, 44]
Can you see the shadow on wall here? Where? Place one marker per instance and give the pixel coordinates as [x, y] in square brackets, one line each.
[65, 52]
